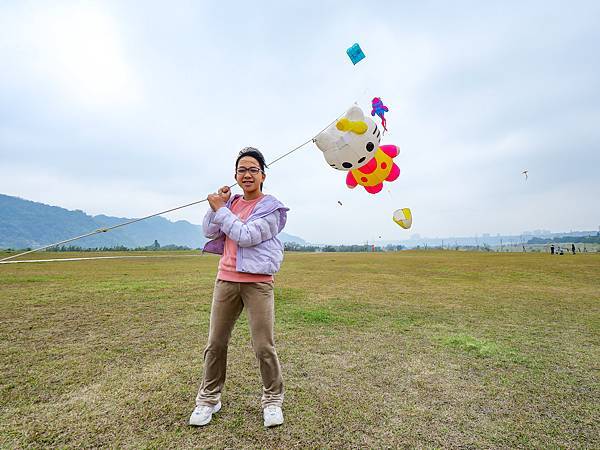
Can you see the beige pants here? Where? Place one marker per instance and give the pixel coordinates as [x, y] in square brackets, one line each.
[229, 298]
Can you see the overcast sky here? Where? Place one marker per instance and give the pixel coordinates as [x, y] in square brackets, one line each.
[128, 108]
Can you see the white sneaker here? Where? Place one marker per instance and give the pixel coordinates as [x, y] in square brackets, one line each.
[202, 415]
[273, 416]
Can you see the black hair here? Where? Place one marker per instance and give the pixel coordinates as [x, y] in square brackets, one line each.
[254, 153]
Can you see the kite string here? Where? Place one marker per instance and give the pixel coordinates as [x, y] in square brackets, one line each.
[104, 230]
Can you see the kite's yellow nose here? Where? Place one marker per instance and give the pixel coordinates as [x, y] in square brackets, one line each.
[356, 126]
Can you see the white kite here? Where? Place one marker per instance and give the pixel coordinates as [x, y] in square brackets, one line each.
[403, 217]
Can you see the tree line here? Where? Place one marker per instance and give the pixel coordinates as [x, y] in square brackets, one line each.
[116, 248]
[295, 247]
[566, 240]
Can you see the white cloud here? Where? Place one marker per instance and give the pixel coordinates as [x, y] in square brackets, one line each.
[75, 48]
[128, 111]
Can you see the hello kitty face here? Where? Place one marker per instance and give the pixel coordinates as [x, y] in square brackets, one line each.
[351, 142]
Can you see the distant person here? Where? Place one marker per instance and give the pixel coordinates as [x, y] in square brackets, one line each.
[523, 249]
[244, 230]
[573, 248]
[552, 249]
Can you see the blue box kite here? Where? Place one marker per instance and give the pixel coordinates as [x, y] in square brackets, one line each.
[355, 53]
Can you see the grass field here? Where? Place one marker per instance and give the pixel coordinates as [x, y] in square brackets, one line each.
[408, 349]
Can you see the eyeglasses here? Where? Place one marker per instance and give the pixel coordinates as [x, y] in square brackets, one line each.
[252, 170]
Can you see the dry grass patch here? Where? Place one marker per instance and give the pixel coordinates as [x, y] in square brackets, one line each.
[410, 349]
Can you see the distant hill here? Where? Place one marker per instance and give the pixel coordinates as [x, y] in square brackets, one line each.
[27, 224]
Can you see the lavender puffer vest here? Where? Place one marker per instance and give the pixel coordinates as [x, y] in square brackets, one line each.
[258, 248]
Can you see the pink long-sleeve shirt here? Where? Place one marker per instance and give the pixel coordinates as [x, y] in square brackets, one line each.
[227, 265]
